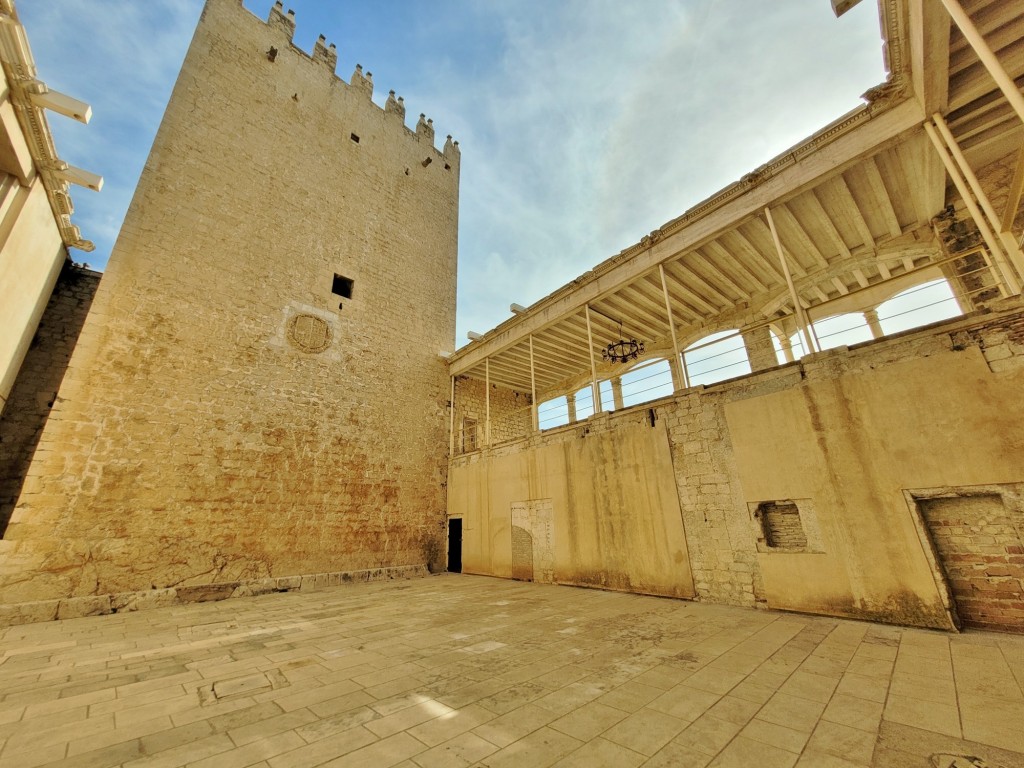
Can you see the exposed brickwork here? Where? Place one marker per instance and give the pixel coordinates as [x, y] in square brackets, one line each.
[35, 389]
[782, 527]
[982, 553]
[205, 431]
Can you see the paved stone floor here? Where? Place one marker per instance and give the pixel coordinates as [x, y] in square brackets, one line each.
[465, 670]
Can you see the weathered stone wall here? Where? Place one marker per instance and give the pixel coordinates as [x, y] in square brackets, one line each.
[852, 438]
[35, 389]
[226, 416]
[511, 417]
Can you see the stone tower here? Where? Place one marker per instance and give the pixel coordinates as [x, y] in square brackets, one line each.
[258, 392]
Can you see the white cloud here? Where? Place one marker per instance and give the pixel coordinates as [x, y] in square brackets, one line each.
[584, 124]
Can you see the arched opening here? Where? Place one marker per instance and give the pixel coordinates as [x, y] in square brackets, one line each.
[584, 403]
[646, 381]
[917, 306]
[553, 413]
[716, 357]
[842, 330]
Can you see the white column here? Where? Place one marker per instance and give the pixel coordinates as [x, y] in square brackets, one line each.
[798, 308]
[617, 393]
[534, 413]
[487, 402]
[594, 386]
[871, 318]
[672, 331]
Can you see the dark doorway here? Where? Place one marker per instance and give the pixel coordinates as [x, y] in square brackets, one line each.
[455, 545]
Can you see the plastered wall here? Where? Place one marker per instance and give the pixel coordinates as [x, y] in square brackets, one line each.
[852, 437]
[616, 521]
[31, 255]
[226, 417]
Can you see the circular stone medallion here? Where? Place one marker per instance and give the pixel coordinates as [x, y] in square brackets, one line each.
[309, 333]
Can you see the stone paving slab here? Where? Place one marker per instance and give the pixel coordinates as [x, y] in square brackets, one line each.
[457, 670]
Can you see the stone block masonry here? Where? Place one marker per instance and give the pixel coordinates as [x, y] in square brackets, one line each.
[258, 391]
[35, 390]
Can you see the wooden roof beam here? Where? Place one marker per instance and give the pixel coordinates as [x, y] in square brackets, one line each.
[719, 253]
[826, 223]
[858, 218]
[929, 30]
[676, 286]
[835, 147]
[881, 195]
[790, 220]
[692, 276]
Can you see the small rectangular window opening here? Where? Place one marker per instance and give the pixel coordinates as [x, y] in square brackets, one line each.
[354, 138]
[342, 286]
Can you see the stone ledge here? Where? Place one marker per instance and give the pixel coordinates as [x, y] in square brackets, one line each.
[122, 602]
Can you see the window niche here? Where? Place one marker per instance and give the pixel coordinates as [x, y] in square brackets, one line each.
[786, 525]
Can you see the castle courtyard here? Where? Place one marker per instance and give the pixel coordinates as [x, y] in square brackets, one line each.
[460, 670]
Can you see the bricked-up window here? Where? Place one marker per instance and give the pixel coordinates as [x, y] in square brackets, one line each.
[780, 521]
[342, 286]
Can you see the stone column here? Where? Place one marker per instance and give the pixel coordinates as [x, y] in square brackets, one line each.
[677, 374]
[871, 318]
[617, 393]
[760, 350]
[787, 347]
[570, 400]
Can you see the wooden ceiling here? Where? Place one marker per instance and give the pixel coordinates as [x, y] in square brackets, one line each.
[846, 221]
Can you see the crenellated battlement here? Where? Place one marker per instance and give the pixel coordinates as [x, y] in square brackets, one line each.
[326, 54]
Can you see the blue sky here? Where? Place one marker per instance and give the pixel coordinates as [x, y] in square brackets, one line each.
[584, 124]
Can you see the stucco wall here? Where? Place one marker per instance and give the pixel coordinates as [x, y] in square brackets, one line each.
[850, 436]
[615, 509]
[31, 255]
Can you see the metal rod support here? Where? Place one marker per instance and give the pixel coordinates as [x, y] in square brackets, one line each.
[672, 328]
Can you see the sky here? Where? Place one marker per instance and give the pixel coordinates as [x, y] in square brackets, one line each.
[583, 124]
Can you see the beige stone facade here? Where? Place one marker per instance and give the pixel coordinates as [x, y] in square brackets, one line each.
[264, 397]
[35, 203]
[258, 392]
